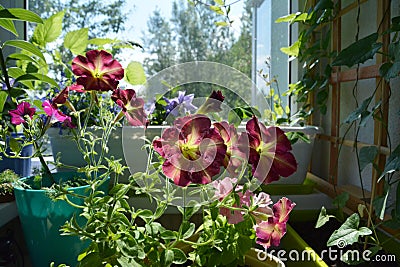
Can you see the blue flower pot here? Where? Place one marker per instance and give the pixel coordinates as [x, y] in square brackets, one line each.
[41, 219]
[22, 167]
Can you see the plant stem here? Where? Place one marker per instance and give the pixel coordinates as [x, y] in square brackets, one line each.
[43, 162]
[5, 73]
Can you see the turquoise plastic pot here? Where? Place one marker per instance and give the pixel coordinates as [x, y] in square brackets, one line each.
[41, 219]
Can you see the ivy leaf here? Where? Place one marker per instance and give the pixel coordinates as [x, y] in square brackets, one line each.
[49, 30]
[360, 113]
[367, 155]
[379, 203]
[292, 50]
[389, 70]
[77, 41]
[358, 52]
[323, 218]
[392, 163]
[134, 73]
[341, 200]
[348, 233]
[291, 18]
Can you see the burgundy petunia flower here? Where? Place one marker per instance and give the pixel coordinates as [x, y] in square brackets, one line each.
[61, 98]
[18, 115]
[234, 158]
[193, 151]
[131, 105]
[212, 104]
[269, 152]
[54, 114]
[97, 71]
[270, 232]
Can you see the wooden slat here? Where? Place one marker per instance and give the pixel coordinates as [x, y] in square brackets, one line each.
[368, 72]
[384, 150]
[350, 7]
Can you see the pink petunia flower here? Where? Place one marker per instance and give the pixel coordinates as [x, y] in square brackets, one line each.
[235, 216]
[54, 114]
[223, 187]
[269, 152]
[19, 114]
[131, 105]
[97, 71]
[270, 232]
[194, 151]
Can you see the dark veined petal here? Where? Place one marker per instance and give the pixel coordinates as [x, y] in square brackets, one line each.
[193, 151]
[97, 71]
[131, 105]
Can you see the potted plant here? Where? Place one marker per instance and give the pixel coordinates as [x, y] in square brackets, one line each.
[41, 216]
[190, 166]
[7, 178]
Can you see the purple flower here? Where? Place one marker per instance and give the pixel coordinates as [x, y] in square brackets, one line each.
[182, 103]
[53, 113]
[18, 115]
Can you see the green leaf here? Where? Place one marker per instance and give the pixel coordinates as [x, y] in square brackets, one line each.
[348, 233]
[20, 14]
[323, 218]
[392, 163]
[389, 70]
[292, 50]
[22, 57]
[3, 98]
[358, 52]
[15, 146]
[219, 2]
[102, 41]
[9, 26]
[397, 209]
[291, 18]
[77, 41]
[360, 113]
[37, 77]
[221, 23]
[367, 156]
[167, 257]
[217, 10]
[134, 73]
[24, 45]
[341, 200]
[379, 203]
[179, 256]
[49, 30]
[188, 230]
[15, 72]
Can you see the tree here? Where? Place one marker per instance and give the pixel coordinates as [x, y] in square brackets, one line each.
[158, 42]
[100, 17]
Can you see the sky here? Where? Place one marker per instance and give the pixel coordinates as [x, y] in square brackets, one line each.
[141, 10]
